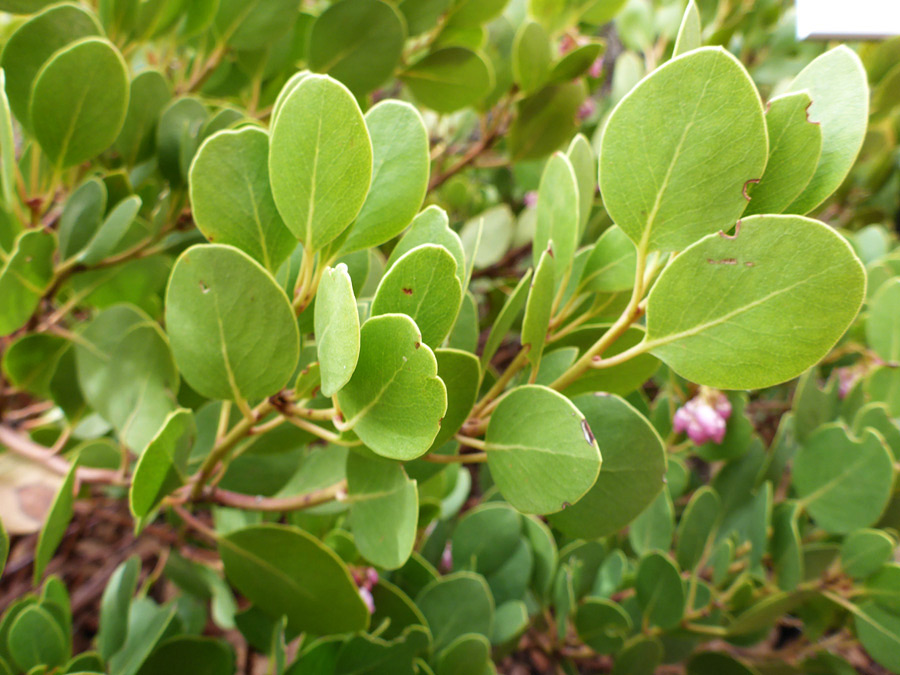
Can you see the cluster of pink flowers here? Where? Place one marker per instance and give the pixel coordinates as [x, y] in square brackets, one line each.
[365, 580]
[704, 417]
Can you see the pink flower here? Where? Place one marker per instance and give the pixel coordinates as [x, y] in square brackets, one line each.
[530, 198]
[703, 417]
[596, 68]
[586, 109]
[847, 377]
[364, 581]
[447, 558]
[366, 595]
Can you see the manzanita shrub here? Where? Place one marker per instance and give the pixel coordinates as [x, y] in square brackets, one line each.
[237, 298]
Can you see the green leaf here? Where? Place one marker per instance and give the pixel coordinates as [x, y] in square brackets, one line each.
[538, 308]
[162, 467]
[883, 587]
[337, 329]
[384, 510]
[795, 145]
[30, 362]
[786, 546]
[114, 607]
[32, 45]
[575, 63]
[8, 188]
[36, 639]
[393, 604]
[431, 226]
[81, 217]
[700, 123]
[660, 592]
[56, 523]
[400, 170]
[697, 527]
[879, 632]
[486, 537]
[836, 83]
[716, 663]
[461, 373]
[287, 572]
[531, 56]
[469, 654]
[611, 265]
[515, 301]
[320, 160]
[545, 120]
[584, 163]
[232, 328]
[358, 42]
[640, 657]
[423, 285]
[24, 278]
[150, 93]
[541, 452]
[112, 232]
[231, 200]
[883, 322]
[148, 624]
[190, 655]
[394, 401]
[690, 34]
[843, 483]
[178, 134]
[705, 311]
[253, 24]
[602, 625]
[654, 527]
[456, 604]
[449, 79]
[865, 551]
[631, 476]
[557, 213]
[78, 101]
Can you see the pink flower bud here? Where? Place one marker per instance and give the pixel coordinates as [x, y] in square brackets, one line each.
[371, 577]
[447, 558]
[596, 68]
[530, 198]
[366, 595]
[847, 377]
[587, 108]
[703, 417]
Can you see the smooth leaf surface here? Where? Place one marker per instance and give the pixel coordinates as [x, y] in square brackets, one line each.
[541, 452]
[538, 308]
[162, 466]
[432, 226]
[461, 373]
[705, 310]
[456, 604]
[231, 200]
[56, 523]
[660, 592]
[337, 329]
[232, 328]
[449, 79]
[395, 379]
[557, 212]
[320, 160]
[699, 122]
[883, 322]
[24, 277]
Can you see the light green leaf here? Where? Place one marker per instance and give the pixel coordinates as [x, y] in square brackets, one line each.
[148, 623]
[883, 322]
[24, 278]
[690, 34]
[575, 63]
[432, 226]
[337, 329]
[545, 120]
[127, 373]
[400, 170]
[879, 632]
[611, 265]
[286, 572]
[150, 93]
[843, 483]
[35, 639]
[461, 373]
[631, 476]
[557, 214]
[162, 467]
[795, 145]
[456, 604]
[538, 308]
[602, 625]
[836, 83]
[581, 155]
[32, 45]
[114, 607]
[515, 301]
[865, 551]
[779, 272]
[394, 401]
[231, 200]
[384, 510]
[358, 42]
[81, 217]
[653, 529]
[531, 56]
[541, 452]
[320, 160]
[8, 168]
[78, 101]
[699, 122]
[56, 523]
[660, 592]
[111, 233]
[30, 362]
[449, 79]
[253, 24]
[697, 527]
[422, 284]
[232, 328]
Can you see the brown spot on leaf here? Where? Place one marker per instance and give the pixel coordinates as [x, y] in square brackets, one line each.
[408, 291]
[744, 189]
[737, 231]
[417, 345]
[203, 287]
[588, 434]
[723, 261]
[749, 263]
